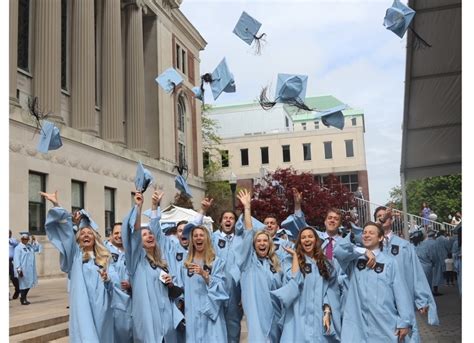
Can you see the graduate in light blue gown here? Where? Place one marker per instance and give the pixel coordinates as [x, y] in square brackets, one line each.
[378, 306]
[457, 256]
[310, 296]
[414, 276]
[429, 259]
[118, 272]
[261, 273]
[155, 316]
[205, 294]
[226, 241]
[24, 265]
[84, 257]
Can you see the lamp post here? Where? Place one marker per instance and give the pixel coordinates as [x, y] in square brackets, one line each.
[233, 187]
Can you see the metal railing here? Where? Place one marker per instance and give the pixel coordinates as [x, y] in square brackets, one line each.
[363, 211]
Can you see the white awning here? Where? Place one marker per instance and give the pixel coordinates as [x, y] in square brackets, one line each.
[431, 143]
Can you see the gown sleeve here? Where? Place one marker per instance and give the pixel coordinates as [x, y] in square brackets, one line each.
[216, 292]
[132, 241]
[61, 234]
[345, 254]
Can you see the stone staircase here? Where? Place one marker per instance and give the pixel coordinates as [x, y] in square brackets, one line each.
[42, 330]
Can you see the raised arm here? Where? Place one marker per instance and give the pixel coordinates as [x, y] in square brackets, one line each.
[60, 231]
[131, 235]
[298, 199]
[245, 199]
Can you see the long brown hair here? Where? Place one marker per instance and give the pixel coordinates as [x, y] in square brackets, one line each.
[317, 254]
[154, 256]
[209, 254]
[274, 260]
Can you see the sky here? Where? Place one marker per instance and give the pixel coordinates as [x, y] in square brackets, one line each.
[343, 48]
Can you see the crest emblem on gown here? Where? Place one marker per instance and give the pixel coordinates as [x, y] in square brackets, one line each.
[179, 256]
[207, 268]
[221, 243]
[277, 246]
[379, 267]
[307, 268]
[273, 270]
[395, 249]
[115, 257]
[361, 264]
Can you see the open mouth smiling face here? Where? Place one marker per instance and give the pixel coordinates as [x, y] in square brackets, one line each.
[86, 238]
[308, 241]
[262, 245]
[199, 239]
[148, 239]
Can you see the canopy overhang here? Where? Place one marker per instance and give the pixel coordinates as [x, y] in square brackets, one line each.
[431, 142]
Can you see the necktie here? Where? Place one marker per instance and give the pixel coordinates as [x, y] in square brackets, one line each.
[385, 242]
[329, 248]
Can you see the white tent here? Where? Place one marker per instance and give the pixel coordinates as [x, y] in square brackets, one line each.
[175, 214]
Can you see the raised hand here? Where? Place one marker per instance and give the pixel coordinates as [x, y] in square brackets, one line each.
[156, 199]
[53, 197]
[206, 204]
[289, 251]
[125, 285]
[370, 259]
[138, 198]
[244, 197]
[103, 274]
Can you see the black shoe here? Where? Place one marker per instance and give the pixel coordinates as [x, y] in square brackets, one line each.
[16, 295]
[437, 294]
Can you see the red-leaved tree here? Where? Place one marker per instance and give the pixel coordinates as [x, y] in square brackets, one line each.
[274, 196]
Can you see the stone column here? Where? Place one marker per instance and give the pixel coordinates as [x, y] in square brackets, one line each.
[83, 67]
[112, 72]
[135, 80]
[47, 57]
[13, 47]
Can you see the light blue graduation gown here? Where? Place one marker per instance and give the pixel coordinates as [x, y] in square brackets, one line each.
[457, 254]
[442, 248]
[233, 313]
[204, 304]
[279, 244]
[90, 312]
[24, 258]
[302, 299]
[122, 302]
[414, 276]
[258, 278]
[155, 316]
[378, 301]
[429, 259]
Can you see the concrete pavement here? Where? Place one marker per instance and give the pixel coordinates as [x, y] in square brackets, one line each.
[50, 299]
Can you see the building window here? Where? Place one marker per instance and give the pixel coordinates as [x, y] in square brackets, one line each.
[225, 158]
[109, 195]
[264, 153]
[303, 126]
[349, 148]
[181, 114]
[206, 159]
[316, 125]
[286, 153]
[327, 150]
[354, 121]
[287, 122]
[182, 155]
[36, 203]
[307, 151]
[350, 181]
[77, 195]
[181, 58]
[64, 44]
[244, 156]
[23, 58]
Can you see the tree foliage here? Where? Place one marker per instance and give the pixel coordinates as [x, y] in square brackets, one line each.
[275, 196]
[442, 193]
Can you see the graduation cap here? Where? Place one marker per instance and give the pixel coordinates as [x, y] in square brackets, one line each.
[169, 80]
[24, 234]
[147, 213]
[181, 185]
[294, 224]
[291, 90]
[187, 229]
[220, 80]
[247, 28]
[143, 178]
[332, 117]
[50, 138]
[282, 232]
[398, 18]
[86, 221]
[256, 224]
[198, 93]
[167, 226]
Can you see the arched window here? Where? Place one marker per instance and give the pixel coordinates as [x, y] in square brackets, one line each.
[181, 114]
[181, 131]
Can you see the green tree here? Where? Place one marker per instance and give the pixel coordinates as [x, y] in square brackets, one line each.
[443, 194]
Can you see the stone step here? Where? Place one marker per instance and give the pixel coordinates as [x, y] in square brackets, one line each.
[39, 324]
[45, 334]
[61, 340]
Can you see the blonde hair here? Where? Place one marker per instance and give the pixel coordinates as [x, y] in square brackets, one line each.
[101, 253]
[271, 255]
[209, 254]
[155, 255]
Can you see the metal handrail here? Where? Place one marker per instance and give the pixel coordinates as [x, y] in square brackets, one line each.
[363, 212]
